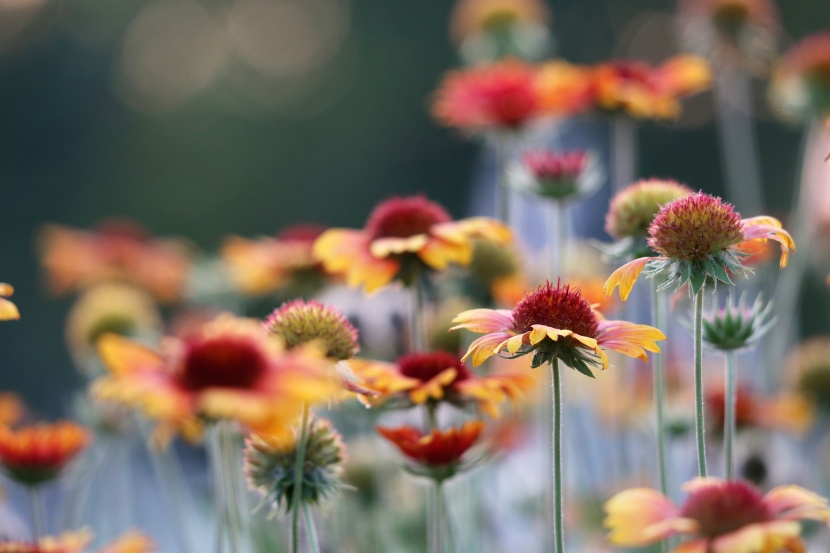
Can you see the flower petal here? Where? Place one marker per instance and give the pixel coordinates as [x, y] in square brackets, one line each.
[794, 502]
[484, 320]
[485, 347]
[122, 356]
[769, 228]
[638, 517]
[8, 310]
[629, 339]
[344, 251]
[625, 277]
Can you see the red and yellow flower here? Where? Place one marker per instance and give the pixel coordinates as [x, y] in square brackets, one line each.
[229, 369]
[78, 542]
[8, 310]
[717, 517]
[439, 454]
[699, 237]
[420, 378]
[801, 81]
[403, 235]
[39, 453]
[264, 265]
[644, 92]
[555, 323]
[115, 251]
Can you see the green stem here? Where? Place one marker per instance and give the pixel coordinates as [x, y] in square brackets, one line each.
[445, 507]
[435, 520]
[232, 495]
[296, 497]
[502, 191]
[558, 238]
[729, 415]
[417, 334]
[311, 529]
[219, 504]
[38, 511]
[558, 518]
[659, 387]
[700, 427]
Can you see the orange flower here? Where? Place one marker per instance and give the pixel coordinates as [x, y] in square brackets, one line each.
[645, 92]
[800, 84]
[115, 251]
[261, 266]
[555, 323]
[789, 412]
[440, 454]
[403, 235]
[78, 542]
[39, 453]
[8, 310]
[564, 89]
[472, 17]
[11, 409]
[440, 376]
[228, 369]
[718, 517]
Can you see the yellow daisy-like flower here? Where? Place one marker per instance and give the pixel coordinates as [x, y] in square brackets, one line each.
[8, 310]
[403, 235]
[555, 323]
[78, 542]
[718, 517]
[230, 369]
[699, 237]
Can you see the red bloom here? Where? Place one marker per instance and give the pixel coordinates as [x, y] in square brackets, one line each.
[439, 448]
[38, 453]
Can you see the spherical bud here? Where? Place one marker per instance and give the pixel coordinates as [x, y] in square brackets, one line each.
[299, 322]
[633, 209]
[737, 326]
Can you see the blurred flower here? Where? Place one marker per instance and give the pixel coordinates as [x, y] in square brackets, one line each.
[718, 516]
[8, 310]
[436, 376]
[496, 269]
[633, 208]
[644, 92]
[555, 323]
[440, 454]
[742, 29]
[11, 409]
[402, 236]
[115, 251]
[800, 85]
[39, 453]
[264, 265]
[559, 176]
[501, 96]
[299, 322]
[808, 370]
[788, 412]
[109, 308]
[439, 318]
[228, 369]
[564, 89]
[735, 326]
[78, 542]
[269, 468]
[699, 238]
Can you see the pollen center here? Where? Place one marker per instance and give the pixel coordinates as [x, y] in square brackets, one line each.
[723, 508]
[226, 362]
[556, 307]
[405, 217]
[425, 366]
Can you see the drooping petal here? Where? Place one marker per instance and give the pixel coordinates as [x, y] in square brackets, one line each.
[344, 251]
[683, 75]
[440, 254]
[485, 347]
[122, 356]
[629, 339]
[794, 502]
[8, 310]
[625, 277]
[384, 247]
[769, 228]
[434, 387]
[758, 538]
[638, 517]
[483, 321]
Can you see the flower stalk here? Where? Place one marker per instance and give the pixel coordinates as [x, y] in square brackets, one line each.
[698, 360]
[558, 518]
[659, 388]
[729, 423]
[38, 508]
[297, 496]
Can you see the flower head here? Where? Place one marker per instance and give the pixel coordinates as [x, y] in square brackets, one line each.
[8, 310]
[403, 235]
[78, 542]
[791, 412]
[808, 370]
[39, 453]
[645, 92]
[555, 323]
[559, 176]
[736, 326]
[565, 89]
[440, 454]
[116, 251]
[801, 80]
[719, 516]
[264, 265]
[229, 369]
[698, 238]
[269, 468]
[633, 208]
[300, 322]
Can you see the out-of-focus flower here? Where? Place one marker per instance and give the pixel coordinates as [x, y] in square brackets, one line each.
[11, 409]
[721, 30]
[114, 251]
[789, 412]
[440, 454]
[644, 92]
[717, 516]
[300, 322]
[633, 208]
[736, 326]
[78, 542]
[807, 369]
[560, 176]
[269, 468]
[8, 310]
[109, 308]
[564, 89]
[422, 378]
[555, 323]
[439, 318]
[698, 238]
[229, 369]
[800, 84]
[496, 269]
[402, 237]
[35, 454]
[264, 265]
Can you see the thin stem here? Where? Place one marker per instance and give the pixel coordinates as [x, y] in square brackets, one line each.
[296, 497]
[435, 518]
[659, 387]
[432, 415]
[699, 423]
[219, 504]
[445, 507]
[38, 508]
[417, 334]
[558, 518]
[311, 529]
[729, 415]
[502, 191]
[623, 152]
[229, 466]
[557, 238]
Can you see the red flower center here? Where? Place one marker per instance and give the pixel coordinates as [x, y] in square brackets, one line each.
[555, 166]
[558, 307]
[405, 217]
[725, 508]
[633, 71]
[425, 366]
[300, 233]
[223, 362]
[510, 101]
